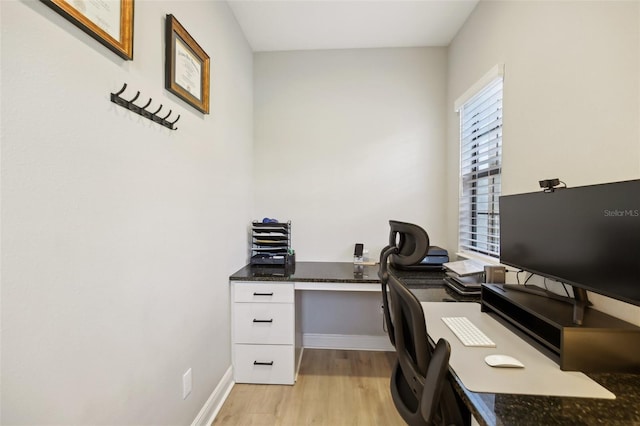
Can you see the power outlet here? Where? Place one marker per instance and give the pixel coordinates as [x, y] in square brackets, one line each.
[187, 384]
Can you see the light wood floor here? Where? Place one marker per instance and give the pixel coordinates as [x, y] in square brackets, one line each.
[334, 387]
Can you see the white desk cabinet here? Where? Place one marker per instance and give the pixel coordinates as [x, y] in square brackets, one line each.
[266, 344]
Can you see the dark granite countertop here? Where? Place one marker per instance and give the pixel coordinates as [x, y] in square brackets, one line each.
[489, 409]
[521, 410]
[427, 285]
[341, 272]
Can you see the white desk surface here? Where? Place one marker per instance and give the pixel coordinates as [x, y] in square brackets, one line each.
[540, 376]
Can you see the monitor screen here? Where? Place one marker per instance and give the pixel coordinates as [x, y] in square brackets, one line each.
[587, 236]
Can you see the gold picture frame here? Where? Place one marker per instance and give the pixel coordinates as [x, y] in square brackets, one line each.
[109, 22]
[186, 66]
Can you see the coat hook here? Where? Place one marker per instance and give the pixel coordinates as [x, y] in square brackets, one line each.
[171, 123]
[121, 90]
[135, 97]
[115, 98]
[144, 112]
[166, 123]
[135, 108]
[153, 116]
[148, 103]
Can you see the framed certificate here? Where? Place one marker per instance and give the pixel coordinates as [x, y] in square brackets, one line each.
[186, 67]
[108, 21]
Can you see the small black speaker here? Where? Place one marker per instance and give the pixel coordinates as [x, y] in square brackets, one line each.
[494, 274]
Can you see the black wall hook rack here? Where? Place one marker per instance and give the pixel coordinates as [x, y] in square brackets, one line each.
[142, 110]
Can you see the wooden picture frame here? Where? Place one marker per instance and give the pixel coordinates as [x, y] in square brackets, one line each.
[110, 22]
[186, 66]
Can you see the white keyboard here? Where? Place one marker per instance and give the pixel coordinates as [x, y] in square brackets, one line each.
[467, 332]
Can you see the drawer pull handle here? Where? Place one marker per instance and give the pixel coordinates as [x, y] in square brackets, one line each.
[262, 363]
[255, 293]
[257, 320]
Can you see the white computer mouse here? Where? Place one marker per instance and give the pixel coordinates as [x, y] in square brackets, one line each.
[503, 361]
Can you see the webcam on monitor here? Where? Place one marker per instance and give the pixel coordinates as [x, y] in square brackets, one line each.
[549, 185]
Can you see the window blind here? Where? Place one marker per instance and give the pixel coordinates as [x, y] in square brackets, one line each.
[480, 170]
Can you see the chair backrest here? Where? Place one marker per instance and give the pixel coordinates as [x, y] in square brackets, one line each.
[411, 240]
[383, 273]
[408, 245]
[420, 388]
[412, 344]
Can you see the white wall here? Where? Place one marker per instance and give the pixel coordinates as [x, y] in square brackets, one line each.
[118, 235]
[571, 96]
[346, 140]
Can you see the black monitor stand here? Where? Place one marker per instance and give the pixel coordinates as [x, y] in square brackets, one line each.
[602, 343]
[580, 300]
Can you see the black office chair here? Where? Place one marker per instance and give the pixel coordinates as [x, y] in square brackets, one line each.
[420, 387]
[408, 245]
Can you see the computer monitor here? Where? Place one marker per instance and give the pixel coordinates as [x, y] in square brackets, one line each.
[588, 237]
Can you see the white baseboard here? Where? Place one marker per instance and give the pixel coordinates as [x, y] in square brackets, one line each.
[213, 405]
[347, 342]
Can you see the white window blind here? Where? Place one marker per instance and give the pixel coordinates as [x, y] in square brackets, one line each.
[480, 170]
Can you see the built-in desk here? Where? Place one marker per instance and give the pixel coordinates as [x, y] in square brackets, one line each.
[487, 408]
[267, 311]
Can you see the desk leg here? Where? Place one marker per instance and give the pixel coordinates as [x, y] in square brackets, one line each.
[298, 333]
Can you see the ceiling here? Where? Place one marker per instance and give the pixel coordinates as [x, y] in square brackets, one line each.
[348, 24]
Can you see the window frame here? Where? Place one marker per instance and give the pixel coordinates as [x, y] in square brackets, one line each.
[480, 172]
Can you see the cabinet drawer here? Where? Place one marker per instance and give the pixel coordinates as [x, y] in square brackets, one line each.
[263, 292]
[271, 323]
[270, 364]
